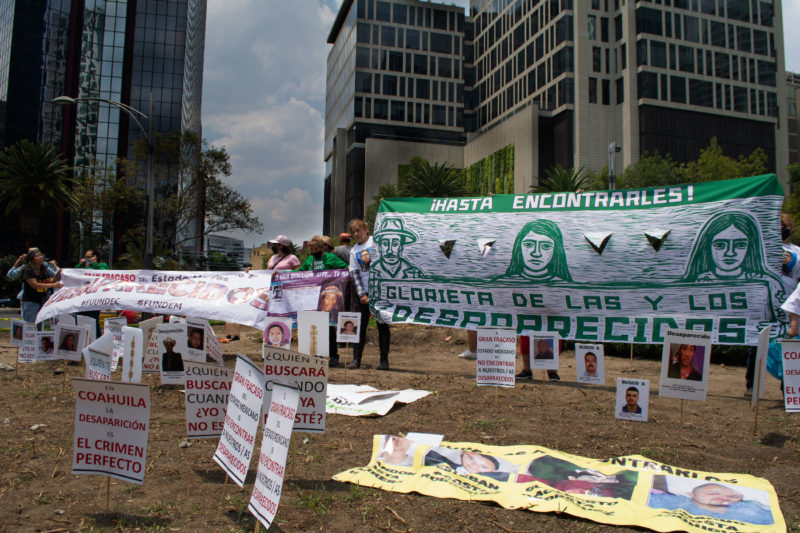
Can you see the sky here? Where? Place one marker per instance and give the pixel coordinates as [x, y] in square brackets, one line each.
[264, 101]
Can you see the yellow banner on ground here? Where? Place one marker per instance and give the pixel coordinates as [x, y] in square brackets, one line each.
[631, 490]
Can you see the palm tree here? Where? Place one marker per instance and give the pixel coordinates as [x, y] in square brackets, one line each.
[560, 179]
[432, 181]
[34, 177]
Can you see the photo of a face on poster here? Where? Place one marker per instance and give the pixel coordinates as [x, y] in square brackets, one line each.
[349, 327]
[313, 333]
[17, 331]
[278, 333]
[397, 450]
[171, 346]
[545, 352]
[633, 396]
[589, 363]
[69, 342]
[684, 364]
[45, 346]
[331, 300]
[195, 340]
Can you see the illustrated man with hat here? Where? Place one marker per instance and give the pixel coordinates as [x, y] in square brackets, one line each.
[391, 237]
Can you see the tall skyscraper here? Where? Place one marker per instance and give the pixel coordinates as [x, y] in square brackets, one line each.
[549, 81]
[119, 50]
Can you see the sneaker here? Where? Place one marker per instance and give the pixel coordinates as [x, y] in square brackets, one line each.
[525, 374]
[468, 354]
[748, 393]
[235, 338]
[333, 362]
[383, 365]
[552, 375]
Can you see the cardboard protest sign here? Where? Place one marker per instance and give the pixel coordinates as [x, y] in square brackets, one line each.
[17, 328]
[278, 333]
[684, 364]
[91, 326]
[98, 358]
[132, 352]
[152, 356]
[544, 352]
[633, 396]
[274, 450]
[69, 341]
[239, 297]
[791, 375]
[207, 393]
[307, 373]
[66, 320]
[45, 346]
[497, 356]
[111, 425]
[213, 347]
[590, 363]
[349, 327]
[363, 400]
[235, 448]
[313, 333]
[27, 351]
[114, 326]
[648, 263]
[195, 340]
[760, 366]
[171, 340]
[623, 491]
[312, 290]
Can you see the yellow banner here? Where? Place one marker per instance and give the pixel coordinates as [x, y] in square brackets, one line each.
[631, 490]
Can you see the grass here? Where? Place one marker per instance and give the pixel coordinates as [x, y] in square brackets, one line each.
[485, 424]
[662, 454]
[316, 500]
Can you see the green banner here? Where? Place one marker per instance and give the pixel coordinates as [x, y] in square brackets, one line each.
[613, 266]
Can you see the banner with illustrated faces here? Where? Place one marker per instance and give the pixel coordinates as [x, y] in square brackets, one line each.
[623, 491]
[596, 266]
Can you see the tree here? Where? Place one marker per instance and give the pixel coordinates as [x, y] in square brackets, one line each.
[34, 177]
[560, 179]
[384, 191]
[712, 164]
[650, 170]
[432, 181]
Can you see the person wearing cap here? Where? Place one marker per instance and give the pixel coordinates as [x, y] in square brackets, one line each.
[343, 250]
[391, 237]
[282, 258]
[171, 361]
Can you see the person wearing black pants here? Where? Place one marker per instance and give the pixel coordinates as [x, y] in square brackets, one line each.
[384, 340]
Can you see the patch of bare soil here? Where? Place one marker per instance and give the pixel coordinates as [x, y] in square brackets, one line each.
[183, 488]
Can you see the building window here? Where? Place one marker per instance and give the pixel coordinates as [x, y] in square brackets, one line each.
[357, 104]
[701, 93]
[604, 29]
[592, 90]
[396, 61]
[383, 13]
[390, 85]
[740, 99]
[592, 27]
[641, 52]
[420, 64]
[721, 65]
[647, 85]
[677, 89]
[363, 82]
[620, 90]
[606, 84]
[685, 59]
[648, 20]
[381, 110]
[439, 115]
[412, 39]
[423, 89]
[399, 13]
[441, 42]
[597, 58]
[387, 36]
[398, 111]
[444, 67]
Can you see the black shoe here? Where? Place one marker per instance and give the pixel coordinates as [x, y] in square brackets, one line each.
[383, 365]
[354, 364]
[333, 363]
[552, 375]
[235, 338]
[525, 374]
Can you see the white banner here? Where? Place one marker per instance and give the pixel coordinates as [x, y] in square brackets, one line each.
[111, 421]
[238, 437]
[274, 449]
[207, 389]
[363, 400]
[497, 355]
[309, 374]
[233, 296]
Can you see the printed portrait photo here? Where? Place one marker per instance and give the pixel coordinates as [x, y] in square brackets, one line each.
[397, 450]
[589, 363]
[278, 334]
[348, 327]
[632, 398]
[545, 352]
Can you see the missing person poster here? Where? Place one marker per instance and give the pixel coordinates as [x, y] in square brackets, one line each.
[152, 361]
[132, 354]
[235, 447]
[349, 327]
[684, 364]
[111, 425]
[278, 333]
[364, 400]
[274, 449]
[544, 351]
[313, 333]
[622, 491]
[17, 328]
[195, 340]
[207, 393]
[760, 371]
[90, 324]
[791, 375]
[69, 341]
[590, 364]
[213, 347]
[171, 339]
[633, 396]
[27, 350]
[497, 355]
[45, 346]
[309, 374]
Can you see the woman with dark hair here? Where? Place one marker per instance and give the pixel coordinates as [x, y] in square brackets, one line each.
[35, 285]
[282, 257]
[68, 343]
[681, 363]
[538, 254]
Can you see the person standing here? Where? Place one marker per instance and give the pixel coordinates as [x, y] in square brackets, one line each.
[35, 285]
[343, 250]
[282, 256]
[15, 272]
[360, 261]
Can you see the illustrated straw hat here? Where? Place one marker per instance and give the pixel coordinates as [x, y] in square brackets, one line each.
[393, 226]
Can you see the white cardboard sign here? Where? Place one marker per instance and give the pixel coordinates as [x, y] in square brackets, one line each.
[791, 375]
[309, 374]
[497, 355]
[684, 364]
[207, 394]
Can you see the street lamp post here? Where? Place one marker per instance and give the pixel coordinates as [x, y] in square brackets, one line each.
[148, 136]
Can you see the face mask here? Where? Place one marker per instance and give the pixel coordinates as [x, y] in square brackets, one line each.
[274, 249]
[317, 255]
[785, 232]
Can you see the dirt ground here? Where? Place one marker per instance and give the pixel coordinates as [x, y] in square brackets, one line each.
[183, 487]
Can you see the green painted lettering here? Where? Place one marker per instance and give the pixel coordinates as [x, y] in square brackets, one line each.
[470, 315]
[485, 298]
[608, 335]
[421, 317]
[738, 300]
[706, 324]
[658, 325]
[537, 300]
[587, 327]
[693, 306]
[447, 318]
[519, 299]
[654, 303]
[613, 303]
[416, 294]
[717, 302]
[592, 301]
[562, 329]
[529, 323]
[397, 316]
[468, 296]
[501, 320]
[569, 303]
[732, 330]
[641, 333]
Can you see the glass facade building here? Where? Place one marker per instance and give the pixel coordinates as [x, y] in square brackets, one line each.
[120, 50]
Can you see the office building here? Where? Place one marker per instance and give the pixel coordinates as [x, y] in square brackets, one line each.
[228, 246]
[548, 82]
[793, 120]
[120, 50]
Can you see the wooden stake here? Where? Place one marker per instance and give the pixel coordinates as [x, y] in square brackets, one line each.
[631, 361]
[224, 486]
[108, 493]
[755, 416]
[681, 411]
[258, 526]
[544, 380]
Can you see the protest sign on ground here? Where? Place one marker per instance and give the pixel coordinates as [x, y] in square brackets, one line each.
[684, 364]
[171, 340]
[111, 424]
[633, 397]
[590, 363]
[274, 449]
[363, 400]
[630, 490]
[648, 264]
[207, 393]
[69, 341]
[313, 333]
[791, 375]
[235, 447]
[497, 354]
[307, 373]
